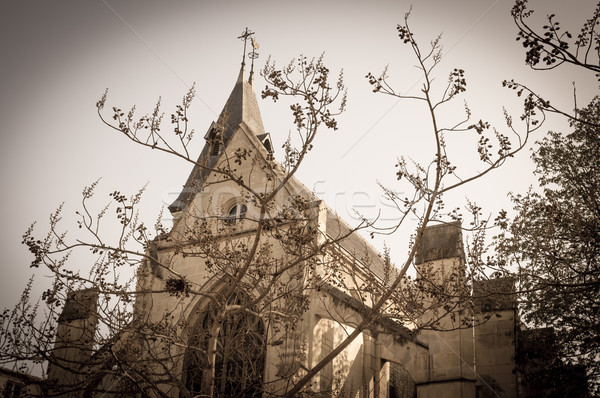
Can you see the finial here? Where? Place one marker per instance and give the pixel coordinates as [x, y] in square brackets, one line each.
[253, 55]
[244, 36]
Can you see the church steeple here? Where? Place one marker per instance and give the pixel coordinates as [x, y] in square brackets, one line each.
[240, 111]
[241, 107]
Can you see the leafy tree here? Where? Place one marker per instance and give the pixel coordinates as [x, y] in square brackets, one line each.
[551, 245]
[543, 373]
[554, 240]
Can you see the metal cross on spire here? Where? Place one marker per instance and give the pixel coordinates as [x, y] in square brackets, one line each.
[244, 36]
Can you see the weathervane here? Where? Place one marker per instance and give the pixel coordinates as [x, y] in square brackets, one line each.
[253, 55]
[244, 36]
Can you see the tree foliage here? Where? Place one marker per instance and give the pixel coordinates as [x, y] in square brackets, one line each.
[551, 245]
[554, 240]
[551, 47]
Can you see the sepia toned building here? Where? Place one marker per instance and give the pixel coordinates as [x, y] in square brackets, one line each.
[264, 347]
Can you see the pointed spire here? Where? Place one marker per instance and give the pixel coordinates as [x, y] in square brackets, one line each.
[241, 107]
[242, 74]
[240, 110]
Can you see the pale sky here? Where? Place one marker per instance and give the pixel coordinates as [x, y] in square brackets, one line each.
[59, 56]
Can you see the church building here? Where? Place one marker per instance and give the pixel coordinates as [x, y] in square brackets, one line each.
[245, 295]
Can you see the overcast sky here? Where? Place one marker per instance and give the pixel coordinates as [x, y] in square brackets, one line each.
[59, 56]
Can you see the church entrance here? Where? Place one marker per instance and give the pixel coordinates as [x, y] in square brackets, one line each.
[240, 357]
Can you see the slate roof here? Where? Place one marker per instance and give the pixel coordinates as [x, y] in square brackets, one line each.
[440, 241]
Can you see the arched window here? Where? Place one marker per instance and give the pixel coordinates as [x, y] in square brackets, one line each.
[236, 213]
[240, 356]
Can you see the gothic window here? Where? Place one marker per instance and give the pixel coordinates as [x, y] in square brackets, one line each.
[401, 384]
[240, 354]
[236, 213]
[12, 389]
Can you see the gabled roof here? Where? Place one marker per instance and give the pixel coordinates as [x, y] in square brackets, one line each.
[241, 107]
